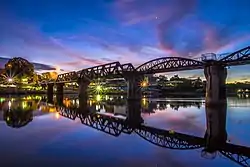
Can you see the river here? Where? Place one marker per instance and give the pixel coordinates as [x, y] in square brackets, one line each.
[109, 131]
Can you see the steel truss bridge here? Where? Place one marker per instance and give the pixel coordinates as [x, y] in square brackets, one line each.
[159, 65]
[163, 138]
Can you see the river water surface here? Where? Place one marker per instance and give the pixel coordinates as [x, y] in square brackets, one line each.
[109, 131]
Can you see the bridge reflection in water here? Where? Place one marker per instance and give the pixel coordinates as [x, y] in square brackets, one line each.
[129, 121]
[214, 141]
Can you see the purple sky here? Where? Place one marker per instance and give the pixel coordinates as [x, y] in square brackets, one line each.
[76, 34]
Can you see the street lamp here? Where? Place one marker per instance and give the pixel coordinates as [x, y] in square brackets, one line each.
[98, 87]
[144, 84]
[10, 80]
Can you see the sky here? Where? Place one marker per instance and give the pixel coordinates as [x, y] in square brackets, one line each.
[76, 34]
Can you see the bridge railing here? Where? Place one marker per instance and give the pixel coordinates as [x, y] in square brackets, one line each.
[211, 56]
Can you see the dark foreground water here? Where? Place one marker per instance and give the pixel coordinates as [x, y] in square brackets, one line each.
[110, 132]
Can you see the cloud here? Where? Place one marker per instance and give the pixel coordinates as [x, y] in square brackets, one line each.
[108, 59]
[124, 52]
[20, 41]
[190, 27]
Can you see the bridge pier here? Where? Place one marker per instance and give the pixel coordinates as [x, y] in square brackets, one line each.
[134, 118]
[59, 88]
[216, 75]
[83, 106]
[83, 86]
[133, 85]
[50, 92]
[59, 93]
[216, 134]
[59, 99]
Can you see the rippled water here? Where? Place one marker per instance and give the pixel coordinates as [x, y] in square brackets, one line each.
[110, 131]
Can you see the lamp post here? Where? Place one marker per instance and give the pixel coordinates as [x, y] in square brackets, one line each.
[10, 80]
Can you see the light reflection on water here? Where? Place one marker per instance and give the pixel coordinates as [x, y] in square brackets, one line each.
[186, 116]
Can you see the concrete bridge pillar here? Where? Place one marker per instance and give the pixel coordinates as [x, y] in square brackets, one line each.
[133, 89]
[216, 75]
[59, 88]
[50, 87]
[134, 118]
[216, 134]
[83, 86]
[59, 99]
[83, 106]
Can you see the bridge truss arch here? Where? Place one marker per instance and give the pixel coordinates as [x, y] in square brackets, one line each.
[67, 77]
[239, 57]
[169, 64]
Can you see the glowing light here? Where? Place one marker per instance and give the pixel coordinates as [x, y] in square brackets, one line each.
[121, 97]
[158, 105]
[24, 104]
[24, 80]
[144, 84]
[98, 98]
[57, 115]
[10, 79]
[2, 100]
[90, 103]
[98, 88]
[171, 132]
[106, 97]
[144, 101]
[9, 104]
[97, 107]
[58, 69]
[247, 95]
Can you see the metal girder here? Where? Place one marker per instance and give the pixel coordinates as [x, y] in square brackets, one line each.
[67, 112]
[110, 70]
[127, 67]
[67, 77]
[168, 64]
[105, 124]
[162, 138]
[240, 159]
[239, 57]
[169, 140]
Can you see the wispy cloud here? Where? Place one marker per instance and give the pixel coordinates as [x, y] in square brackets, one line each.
[190, 27]
[29, 37]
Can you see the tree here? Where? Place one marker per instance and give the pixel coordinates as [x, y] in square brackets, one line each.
[19, 68]
[198, 83]
[162, 80]
[175, 78]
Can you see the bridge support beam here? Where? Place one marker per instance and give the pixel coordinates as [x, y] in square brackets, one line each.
[216, 134]
[133, 88]
[59, 99]
[59, 88]
[50, 87]
[216, 75]
[134, 118]
[83, 106]
[83, 86]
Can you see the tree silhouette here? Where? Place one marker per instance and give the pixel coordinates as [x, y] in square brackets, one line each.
[19, 68]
